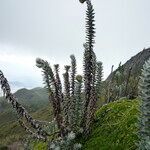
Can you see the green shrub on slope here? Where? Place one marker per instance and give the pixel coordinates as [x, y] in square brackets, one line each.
[115, 127]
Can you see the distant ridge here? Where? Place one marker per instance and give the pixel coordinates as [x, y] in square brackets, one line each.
[33, 99]
[136, 62]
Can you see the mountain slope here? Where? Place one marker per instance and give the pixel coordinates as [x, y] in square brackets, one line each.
[123, 82]
[34, 100]
[11, 131]
[136, 62]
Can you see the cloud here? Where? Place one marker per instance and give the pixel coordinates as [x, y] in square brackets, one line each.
[21, 68]
[54, 30]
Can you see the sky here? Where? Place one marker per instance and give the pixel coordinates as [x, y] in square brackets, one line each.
[53, 30]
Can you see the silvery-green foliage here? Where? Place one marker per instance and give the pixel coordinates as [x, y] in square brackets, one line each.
[58, 82]
[77, 146]
[144, 120]
[32, 126]
[71, 136]
[72, 114]
[99, 75]
[118, 85]
[89, 67]
[57, 148]
[79, 101]
[68, 106]
[52, 145]
[51, 127]
[26, 143]
[65, 143]
[126, 93]
[66, 101]
[53, 85]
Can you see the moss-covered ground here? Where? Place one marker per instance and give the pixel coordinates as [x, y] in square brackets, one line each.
[115, 127]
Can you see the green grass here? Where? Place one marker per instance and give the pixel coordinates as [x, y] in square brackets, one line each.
[115, 127]
[37, 145]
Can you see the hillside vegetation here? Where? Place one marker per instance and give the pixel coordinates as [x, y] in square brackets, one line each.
[87, 112]
[11, 131]
[115, 128]
[136, 62]
[35, 100]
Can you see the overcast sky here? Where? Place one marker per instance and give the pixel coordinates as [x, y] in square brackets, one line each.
[55, 29]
